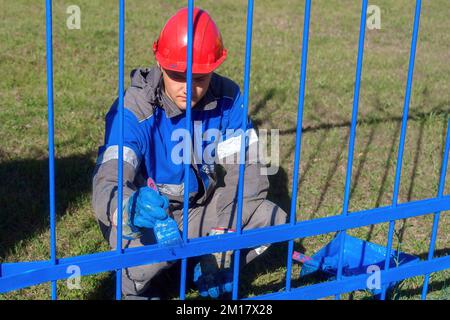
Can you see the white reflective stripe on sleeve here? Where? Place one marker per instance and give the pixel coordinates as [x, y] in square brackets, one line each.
[261, 249]
[171, 189]
[233, 145]
[112, 153]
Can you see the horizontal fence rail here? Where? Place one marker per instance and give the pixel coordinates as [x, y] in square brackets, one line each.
[22, 274]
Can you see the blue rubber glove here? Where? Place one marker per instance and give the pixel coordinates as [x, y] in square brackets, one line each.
[212, 282]
[144, 208]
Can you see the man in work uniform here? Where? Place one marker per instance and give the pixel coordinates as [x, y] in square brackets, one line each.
[154, 109]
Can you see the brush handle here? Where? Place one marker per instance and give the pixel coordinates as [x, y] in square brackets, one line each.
[300, 257]
[152, 185]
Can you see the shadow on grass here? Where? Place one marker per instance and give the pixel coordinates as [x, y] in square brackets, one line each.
[24, 195]
[441, 110]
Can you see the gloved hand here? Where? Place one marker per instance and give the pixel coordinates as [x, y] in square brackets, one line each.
[213, 275]
[211, 281]
[144, 208]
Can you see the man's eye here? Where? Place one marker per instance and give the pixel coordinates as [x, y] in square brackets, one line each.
[176, 77]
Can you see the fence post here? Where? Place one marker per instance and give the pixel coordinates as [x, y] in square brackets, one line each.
[51, 146]
[187, 166]
[121, 133]
[298, 136]
[248, 55]
[401, 148]
[437, 214]
[341, 234]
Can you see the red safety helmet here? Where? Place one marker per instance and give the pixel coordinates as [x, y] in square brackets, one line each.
[171, 46]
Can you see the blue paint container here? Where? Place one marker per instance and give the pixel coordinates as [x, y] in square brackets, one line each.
[358, 256]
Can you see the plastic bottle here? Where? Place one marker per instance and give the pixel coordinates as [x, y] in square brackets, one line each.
[166, 231]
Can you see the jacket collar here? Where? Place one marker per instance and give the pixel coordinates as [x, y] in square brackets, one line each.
[150, 80]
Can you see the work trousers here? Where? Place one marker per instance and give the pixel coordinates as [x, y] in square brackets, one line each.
[135, 280]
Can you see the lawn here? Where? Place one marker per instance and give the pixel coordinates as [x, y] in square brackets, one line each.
[85, 83]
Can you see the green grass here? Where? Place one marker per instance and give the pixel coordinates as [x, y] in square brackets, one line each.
[85, 77]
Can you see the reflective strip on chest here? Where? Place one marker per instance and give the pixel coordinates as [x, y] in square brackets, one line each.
[172, 189]
[233, 145]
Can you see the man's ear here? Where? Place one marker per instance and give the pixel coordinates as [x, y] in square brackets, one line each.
[160, 68]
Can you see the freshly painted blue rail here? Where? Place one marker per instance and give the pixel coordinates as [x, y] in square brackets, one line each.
[22, 274]
[351, 145]
[298, 137]
[437, 214]
[51, 145]
[187, 165]
[19, 275]
[121, 132]
[401, 148]
[248, 54]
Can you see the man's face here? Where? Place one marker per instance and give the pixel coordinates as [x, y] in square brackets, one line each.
[176, 87]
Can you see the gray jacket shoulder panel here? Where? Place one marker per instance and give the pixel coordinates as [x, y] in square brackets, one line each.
[141, 97]
[136, 103]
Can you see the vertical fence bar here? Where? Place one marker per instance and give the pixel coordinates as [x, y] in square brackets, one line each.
[51, 146]
[121, 129]
[351, 146]
[248, 55]
[437, 214]
[401, 148]
[187, 164]
[298, 137]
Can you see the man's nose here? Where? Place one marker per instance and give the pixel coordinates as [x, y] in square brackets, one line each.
[185, 89]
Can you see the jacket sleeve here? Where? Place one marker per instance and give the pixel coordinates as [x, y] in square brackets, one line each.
[105, 179]
[256, 184]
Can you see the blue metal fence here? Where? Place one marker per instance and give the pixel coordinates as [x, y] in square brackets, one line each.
[23, 274]
[403, 130]
[351, 146]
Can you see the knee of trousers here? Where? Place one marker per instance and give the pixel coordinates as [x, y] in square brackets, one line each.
[147, 272]
[267, 214]
[135, 280]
